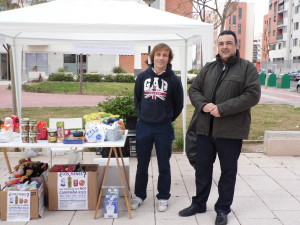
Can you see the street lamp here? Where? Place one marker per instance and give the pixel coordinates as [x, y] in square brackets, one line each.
[149, 2]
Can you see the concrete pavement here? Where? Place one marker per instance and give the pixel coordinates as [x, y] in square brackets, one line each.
[267, 193]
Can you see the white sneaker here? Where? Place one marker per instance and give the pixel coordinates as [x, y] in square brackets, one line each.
[136, 202]
[162, 205]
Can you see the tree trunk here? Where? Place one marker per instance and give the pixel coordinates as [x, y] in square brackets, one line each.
[81, 73]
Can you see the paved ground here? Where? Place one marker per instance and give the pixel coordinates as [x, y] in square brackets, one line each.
[269, 96]
[267, 193]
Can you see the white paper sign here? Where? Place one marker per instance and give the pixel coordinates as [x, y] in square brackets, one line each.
[72, 190]
[106, 50]
[18, 205]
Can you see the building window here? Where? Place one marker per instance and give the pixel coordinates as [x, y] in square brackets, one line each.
[37, 62]
[272, 47]
[239, 44]
[284, 44]
[240, 13]
[239, 28]
[297, 9]
[274, 32]
[295, 42]
[284, 29]
[296, 26]
[234, 20]
[279, 46]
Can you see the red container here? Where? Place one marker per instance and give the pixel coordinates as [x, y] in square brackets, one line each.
[16, 122]
[42, 132]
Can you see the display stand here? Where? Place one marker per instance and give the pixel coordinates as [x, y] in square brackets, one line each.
[113, 149]
[17, 143]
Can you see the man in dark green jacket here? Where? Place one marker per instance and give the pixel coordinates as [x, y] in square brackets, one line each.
[223, 92]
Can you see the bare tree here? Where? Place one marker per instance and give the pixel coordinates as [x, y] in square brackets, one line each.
[201, 8]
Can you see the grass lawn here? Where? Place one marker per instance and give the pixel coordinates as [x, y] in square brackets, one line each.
[264, 117]
[89, 88]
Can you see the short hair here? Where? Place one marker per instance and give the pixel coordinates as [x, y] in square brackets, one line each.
[159, 47]
[230, 32]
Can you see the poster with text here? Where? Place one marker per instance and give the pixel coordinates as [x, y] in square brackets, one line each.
[18, 205]
[72, 190]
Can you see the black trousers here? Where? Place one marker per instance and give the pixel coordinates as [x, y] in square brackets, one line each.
[228, 151]
[162, 135]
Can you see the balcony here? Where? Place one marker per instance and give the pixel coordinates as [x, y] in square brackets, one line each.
[279, 23]
[280, 8]
[279, 37]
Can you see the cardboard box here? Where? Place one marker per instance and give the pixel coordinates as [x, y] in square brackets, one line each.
[113, 177]
[70, 191]
[36, 201]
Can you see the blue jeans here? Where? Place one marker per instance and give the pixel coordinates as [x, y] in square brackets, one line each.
[228, 151]
[162, 136]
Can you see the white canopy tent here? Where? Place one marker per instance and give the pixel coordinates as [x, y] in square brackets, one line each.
[101, 22]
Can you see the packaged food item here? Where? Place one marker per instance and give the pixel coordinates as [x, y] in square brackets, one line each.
[32, 137]
[60, 132]
[25, 125]
[42, 133]
[16, 122]
[52, 138]
[32, 126]
[25, 137]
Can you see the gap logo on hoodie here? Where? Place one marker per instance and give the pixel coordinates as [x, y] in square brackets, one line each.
[155, 90]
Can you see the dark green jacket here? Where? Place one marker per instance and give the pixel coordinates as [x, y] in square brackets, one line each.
[238, 91]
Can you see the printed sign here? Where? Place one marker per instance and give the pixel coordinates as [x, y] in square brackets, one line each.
[72, 190]
[18, 205]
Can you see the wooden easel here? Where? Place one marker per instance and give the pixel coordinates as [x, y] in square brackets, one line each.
[113, 149]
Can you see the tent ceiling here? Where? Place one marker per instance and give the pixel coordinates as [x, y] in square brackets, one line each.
[98, 20]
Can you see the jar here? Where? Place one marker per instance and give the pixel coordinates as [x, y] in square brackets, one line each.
[52, 138]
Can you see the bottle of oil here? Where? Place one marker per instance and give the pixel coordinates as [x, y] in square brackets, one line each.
[69, 182]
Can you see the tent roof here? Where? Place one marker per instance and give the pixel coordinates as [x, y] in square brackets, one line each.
[98, 21]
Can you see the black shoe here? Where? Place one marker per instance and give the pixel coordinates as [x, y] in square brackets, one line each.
[221, 219]
[190, 211]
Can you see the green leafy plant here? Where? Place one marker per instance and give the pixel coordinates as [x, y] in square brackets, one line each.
[119, 69]
[60, 76]
[123, 106]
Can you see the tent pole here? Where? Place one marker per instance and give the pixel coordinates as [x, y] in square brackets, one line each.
[17, 62]
[184, 82]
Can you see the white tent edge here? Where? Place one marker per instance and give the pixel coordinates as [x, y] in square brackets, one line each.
[17, 43]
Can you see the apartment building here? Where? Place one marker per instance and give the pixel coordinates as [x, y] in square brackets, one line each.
[257, 46]
[281, 44]
[241, 21]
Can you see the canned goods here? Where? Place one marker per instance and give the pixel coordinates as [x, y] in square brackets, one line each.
[32, 126]
[25, 137]
[52, 136]
[32, 137]
[25, 125]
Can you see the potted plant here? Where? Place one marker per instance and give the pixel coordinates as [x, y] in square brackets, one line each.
[123, 106]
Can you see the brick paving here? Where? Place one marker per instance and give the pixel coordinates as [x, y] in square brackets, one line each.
[269, 96]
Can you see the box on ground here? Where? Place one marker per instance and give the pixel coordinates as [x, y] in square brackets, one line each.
[74, 190]
[111, 203]
[113, 177]
[36, 201]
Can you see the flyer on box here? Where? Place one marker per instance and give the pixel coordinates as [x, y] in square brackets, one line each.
[72, 190]
[18, 205]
